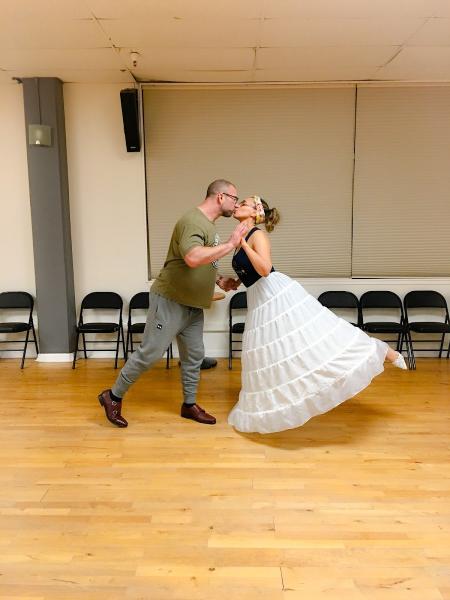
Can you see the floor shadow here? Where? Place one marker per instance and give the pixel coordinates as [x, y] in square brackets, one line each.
[340, 426]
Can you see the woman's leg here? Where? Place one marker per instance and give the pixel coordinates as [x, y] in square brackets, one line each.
[396, 358]
[391, 354]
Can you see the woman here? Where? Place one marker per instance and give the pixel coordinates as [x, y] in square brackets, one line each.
[298, 358]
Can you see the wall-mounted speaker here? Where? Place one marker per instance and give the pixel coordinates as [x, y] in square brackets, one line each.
[130, 112]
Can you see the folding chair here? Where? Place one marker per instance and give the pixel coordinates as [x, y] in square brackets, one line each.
[238, 302]
[18, 301]
[423, 300]
[342, 299]
[386, 300]
[100, 301]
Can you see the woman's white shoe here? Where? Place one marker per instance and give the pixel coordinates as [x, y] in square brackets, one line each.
[400, 362]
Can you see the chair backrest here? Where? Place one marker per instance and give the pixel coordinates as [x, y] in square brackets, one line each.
[381, 299]
[425, 299]
[16, 300]
[102, 300]
[140, 300]
[238, 301]
[338, 299]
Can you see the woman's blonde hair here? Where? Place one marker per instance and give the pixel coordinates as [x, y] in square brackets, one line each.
[272, 216]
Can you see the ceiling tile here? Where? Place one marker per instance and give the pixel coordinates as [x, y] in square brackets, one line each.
[143, 9]
[302, 58]
[203, 40]
[82, 75]
[182, 59]
[418, 63]
[6, 77]
[352, 8]
[443, 8]
[200, 33]
[314, 73]
[25, 33]
[435, 32]
[337, 32]
[95, 59]
[225, 76]
[44, 9]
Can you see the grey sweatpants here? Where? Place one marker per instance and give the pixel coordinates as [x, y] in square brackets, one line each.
[165, 321]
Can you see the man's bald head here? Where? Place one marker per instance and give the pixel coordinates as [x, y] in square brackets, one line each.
[219, 186]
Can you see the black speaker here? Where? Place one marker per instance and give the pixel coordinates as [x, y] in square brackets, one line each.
[130, 113]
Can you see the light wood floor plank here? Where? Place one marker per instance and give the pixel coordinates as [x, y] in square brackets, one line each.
[355, 505]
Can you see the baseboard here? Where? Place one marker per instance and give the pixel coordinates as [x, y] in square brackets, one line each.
[55, 358]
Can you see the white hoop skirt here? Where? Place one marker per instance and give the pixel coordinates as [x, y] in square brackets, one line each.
[299, 359]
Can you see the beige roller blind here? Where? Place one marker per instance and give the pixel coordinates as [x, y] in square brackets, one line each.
[402, 182]
[293, 147]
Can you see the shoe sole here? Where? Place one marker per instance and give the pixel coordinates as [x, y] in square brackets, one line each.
[197, 421]
[102, 403]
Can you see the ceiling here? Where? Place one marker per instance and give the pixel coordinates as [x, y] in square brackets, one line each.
[229, 41]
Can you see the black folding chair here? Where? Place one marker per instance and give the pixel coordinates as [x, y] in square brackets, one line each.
[425, 300]
[18, 301]
[140, 301]
[238, 302]
[100, 301]
[342, 299]
[386, 300]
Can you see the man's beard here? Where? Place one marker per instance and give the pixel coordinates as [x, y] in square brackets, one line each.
[227, 213]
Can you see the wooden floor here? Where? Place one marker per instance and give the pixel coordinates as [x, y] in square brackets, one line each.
[354, 505]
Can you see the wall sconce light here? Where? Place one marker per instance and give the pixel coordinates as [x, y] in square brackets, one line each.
[39, 135]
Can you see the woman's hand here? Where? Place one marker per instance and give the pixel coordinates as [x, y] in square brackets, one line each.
[228, 283]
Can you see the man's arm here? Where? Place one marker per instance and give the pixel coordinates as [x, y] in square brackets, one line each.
[203, 255]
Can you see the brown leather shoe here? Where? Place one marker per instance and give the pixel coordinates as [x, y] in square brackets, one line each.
[196, 413]
[112, 409]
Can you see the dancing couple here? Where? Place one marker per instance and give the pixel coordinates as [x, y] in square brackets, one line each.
[299, 359]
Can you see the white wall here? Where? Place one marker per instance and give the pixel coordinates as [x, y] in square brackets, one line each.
[107, 194]
[107, 199]
[16, 247]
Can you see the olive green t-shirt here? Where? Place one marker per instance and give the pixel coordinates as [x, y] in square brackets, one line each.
[178, 282]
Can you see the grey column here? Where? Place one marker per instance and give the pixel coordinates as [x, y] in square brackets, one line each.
[50, 215]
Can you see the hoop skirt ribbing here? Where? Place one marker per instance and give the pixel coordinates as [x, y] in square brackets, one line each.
[299, 359]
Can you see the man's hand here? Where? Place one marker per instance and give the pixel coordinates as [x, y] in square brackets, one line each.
[237, 235]
[228, 283]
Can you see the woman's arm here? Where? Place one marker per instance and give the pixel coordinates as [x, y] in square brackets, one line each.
[202, 255]
[259, 255]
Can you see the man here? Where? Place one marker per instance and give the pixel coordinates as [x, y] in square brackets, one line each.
[179, 294]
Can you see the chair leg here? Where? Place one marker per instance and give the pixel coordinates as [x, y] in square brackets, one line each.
[35, 338]
[408, 352]
[448, 350]
[123, 344]
[117, 348]
[413, 358]
[76, 350]
[171, 350]
[84, 346]
[127, 345]
[230, 354]
[442, 345]
[167, 357]
[399, 342]
[25, 349]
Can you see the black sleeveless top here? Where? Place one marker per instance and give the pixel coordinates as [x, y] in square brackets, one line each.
[242, 265]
